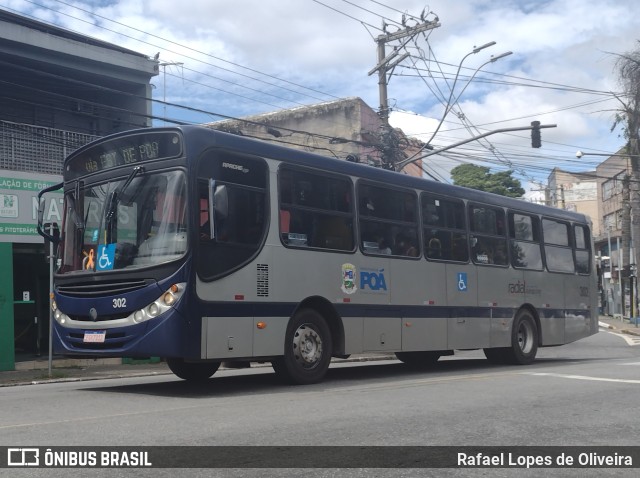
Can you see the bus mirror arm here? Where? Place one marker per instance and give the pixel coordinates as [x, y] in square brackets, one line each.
[41, 206]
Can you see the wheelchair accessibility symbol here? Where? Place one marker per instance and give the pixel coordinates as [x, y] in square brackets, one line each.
[106, 257]
[462, 281]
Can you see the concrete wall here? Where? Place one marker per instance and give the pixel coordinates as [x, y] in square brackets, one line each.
[576, 192]
[341, 128]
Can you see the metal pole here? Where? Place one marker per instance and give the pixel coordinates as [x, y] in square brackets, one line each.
[51, 319]
[620, 279]
[613, 297]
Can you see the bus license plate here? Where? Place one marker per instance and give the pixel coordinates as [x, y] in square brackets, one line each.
[95, 336]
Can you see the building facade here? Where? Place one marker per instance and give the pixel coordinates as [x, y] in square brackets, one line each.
[576, 192]
[60, 91]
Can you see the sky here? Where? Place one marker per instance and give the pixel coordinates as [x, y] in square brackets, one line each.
[237, 58]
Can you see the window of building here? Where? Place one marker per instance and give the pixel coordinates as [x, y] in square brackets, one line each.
[612, 186]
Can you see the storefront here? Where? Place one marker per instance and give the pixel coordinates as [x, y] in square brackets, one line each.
[24, 268]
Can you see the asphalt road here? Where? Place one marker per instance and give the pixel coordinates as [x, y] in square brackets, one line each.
[581, 394]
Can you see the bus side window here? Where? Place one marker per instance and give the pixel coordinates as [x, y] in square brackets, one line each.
[489, 240]
[583, 252]
[319, 209]
[557, 246]
[445, 230]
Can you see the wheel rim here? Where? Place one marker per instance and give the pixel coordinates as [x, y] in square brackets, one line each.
[307, 346]
[525, 336]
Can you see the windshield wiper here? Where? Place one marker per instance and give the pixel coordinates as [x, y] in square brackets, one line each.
[114, 198]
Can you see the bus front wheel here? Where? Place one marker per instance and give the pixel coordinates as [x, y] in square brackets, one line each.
[192, 371]
[307, 349]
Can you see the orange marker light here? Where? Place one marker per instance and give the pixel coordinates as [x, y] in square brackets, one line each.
[261, 325]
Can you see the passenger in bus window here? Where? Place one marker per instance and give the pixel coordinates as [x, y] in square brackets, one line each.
[383, 246]
[434, 248]
[404, 246]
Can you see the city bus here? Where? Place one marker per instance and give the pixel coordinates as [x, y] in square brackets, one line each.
[203, 247]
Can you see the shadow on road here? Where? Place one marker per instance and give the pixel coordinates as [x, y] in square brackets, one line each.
[264, 380]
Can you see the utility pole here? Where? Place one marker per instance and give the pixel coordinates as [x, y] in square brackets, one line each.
[164, 66]
[387, 63]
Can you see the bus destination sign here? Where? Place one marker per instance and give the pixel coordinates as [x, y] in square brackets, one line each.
[124, 151]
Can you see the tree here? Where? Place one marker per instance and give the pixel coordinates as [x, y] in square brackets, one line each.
[479, 177]
[628, 70]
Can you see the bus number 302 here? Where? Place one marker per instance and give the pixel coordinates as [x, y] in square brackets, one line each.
[119, 303]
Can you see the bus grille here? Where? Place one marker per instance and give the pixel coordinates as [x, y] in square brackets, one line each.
[102, 289]
[100, 318]
[263, 280]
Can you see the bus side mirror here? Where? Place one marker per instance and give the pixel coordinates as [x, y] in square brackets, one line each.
[218, 205]
[41, 207]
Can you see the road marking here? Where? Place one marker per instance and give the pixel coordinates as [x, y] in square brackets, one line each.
[630, 339]
[582, 377]
[424, 381]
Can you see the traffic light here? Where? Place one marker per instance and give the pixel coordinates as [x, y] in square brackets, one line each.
[536, 141]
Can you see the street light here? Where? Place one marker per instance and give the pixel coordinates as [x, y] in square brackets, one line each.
[450, 103]
[580, 154]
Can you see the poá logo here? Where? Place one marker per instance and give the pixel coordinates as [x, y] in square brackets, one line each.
[349, 278]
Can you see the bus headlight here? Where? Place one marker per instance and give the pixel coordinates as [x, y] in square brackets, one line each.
[169, 299]
[59, 316]
[153, 310]
[161, 305]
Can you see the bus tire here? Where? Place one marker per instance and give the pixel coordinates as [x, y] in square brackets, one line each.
[524, 340]
[192, 371]
[307, 351]
[418, 359]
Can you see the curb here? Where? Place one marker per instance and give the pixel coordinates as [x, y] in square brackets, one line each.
[64, 363]
[611, 327]
[79, 363]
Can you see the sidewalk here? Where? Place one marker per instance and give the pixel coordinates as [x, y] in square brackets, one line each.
[66, 369]
[624, 326]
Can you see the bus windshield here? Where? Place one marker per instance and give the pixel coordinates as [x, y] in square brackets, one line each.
[135, 221]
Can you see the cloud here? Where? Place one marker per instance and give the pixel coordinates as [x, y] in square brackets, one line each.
[251, 56]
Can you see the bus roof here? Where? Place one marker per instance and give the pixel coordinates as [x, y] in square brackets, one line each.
[201, 136]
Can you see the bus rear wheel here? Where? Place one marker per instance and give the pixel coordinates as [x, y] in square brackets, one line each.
[192, 371]
[524, 342]
[307, 351]
[418, 359]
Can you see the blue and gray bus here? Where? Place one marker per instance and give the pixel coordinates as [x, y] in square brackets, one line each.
[203, 247]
